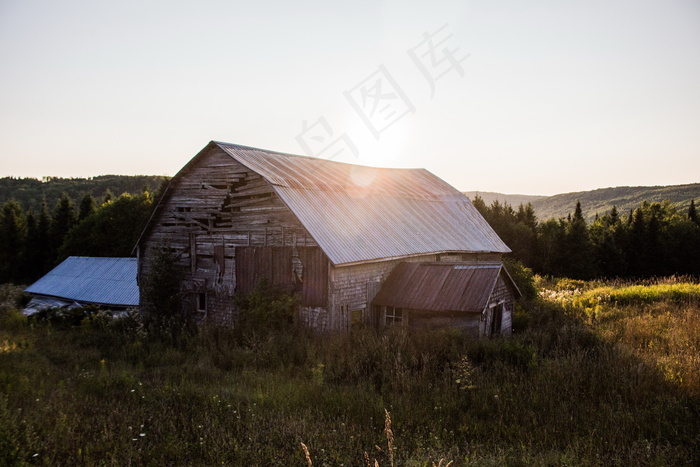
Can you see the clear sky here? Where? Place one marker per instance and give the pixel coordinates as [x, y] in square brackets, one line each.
[534, 97]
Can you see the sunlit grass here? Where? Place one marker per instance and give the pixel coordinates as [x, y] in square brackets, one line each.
[658, 321]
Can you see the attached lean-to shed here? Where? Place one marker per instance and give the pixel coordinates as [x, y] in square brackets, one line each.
[476, 298]
[81, 280]
[329, 231]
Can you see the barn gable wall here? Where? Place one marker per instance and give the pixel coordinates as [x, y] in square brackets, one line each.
[214, 207]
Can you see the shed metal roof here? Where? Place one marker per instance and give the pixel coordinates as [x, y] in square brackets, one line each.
[358, 213]
[101, 281]
[441, 286]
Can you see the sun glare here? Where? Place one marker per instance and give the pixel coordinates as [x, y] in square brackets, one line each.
[383, 152]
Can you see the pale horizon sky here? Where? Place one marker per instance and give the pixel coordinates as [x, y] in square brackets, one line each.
[538, 97]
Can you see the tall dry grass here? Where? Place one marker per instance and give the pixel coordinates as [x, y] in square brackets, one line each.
[616, 386]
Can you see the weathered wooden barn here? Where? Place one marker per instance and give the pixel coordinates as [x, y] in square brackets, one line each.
[338, 234]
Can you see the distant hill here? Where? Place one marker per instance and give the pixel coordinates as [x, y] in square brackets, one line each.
[29, 192]
[514, 200]
[599, 201]
[624, 197]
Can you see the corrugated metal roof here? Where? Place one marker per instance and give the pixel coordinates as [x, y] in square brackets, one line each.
[440, 286]
[102, 281]
[359, 213]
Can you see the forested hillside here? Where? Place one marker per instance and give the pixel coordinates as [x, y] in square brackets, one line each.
[30, 192]
[624, 198]
[514, 200]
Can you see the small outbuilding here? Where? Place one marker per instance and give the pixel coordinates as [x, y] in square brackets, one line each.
[476, 298]
[80, 280]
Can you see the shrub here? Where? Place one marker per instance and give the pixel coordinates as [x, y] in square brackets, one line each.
[11, 296]
[164, 316]
[523, 278]
[13, 319]
[267, 308]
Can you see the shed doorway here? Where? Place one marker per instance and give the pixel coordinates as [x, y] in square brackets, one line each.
[496, 318]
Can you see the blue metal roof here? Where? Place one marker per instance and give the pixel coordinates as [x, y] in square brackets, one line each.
[100, 281]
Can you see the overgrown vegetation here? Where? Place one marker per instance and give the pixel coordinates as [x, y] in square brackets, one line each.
[584, 381]
[267, 309]
[164, 317]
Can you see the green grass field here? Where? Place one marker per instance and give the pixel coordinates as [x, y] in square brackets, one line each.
[595, 374]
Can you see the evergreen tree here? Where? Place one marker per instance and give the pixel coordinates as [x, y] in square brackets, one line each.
[692, 214]
[526, 215]
[550, 247]
[36, 248]
[164, 316]
[87, 206]
[29, 260]
[614, 217]
[606, 240]
[13, 233]
[62, 220]
[43, 245]
[636, 246]
[578, 212]
[578, 250]
[654, 257]
[480, 205]
[682, 247]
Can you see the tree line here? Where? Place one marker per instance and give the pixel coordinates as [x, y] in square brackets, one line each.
[32, 242]
[31, 192]
[654, 239]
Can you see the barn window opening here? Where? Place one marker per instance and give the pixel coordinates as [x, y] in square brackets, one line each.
[357, 317]
[202, 303]
[393, 316]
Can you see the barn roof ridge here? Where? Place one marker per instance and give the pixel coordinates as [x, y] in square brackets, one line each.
[313, 173]
[314, 158]
[360, 213]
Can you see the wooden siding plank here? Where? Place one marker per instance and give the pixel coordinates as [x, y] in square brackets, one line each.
[315, 276]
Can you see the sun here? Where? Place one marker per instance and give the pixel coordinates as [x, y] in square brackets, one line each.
[386, 151]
